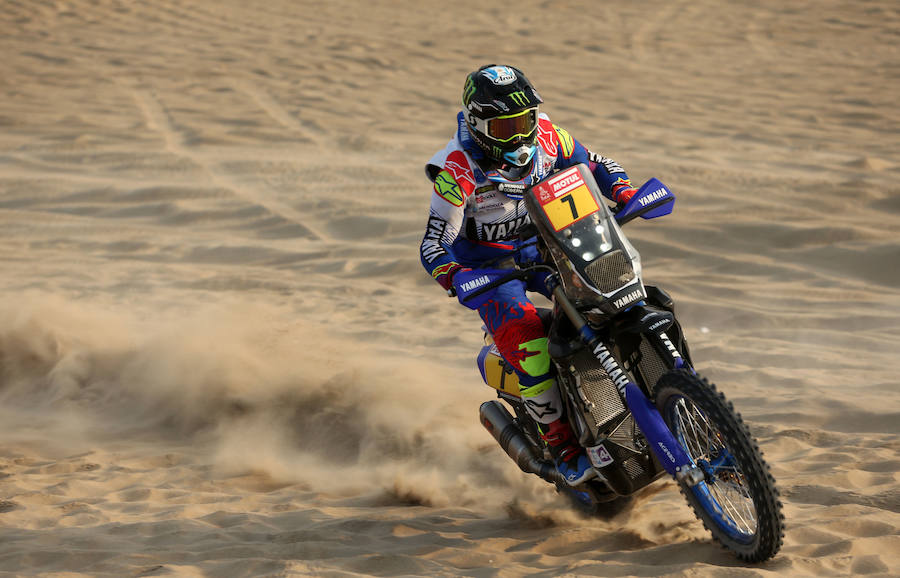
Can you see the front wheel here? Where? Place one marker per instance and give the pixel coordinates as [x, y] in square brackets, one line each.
[737, 501]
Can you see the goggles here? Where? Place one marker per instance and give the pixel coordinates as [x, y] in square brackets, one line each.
[508, 127]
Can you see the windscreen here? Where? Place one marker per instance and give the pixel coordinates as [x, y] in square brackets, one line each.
[595, 260]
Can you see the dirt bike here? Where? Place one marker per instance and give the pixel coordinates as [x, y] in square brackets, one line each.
[632, 396]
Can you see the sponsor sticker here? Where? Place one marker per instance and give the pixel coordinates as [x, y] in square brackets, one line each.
[599, 456]
[475, 283]
[431, 244]
[611, 367]
[566, 199]
[500, 75]
[519, 98]
[666, 451]
[444, 269]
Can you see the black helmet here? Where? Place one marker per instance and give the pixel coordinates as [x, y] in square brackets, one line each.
[501, 110]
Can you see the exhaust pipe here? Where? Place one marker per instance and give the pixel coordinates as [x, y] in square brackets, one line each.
[497, 420]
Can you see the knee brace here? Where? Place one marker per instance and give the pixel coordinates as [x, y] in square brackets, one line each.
[542, 401]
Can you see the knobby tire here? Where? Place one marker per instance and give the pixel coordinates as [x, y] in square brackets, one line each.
[752, 471]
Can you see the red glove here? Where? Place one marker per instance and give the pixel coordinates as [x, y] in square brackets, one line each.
[621, 194]
[444, 275]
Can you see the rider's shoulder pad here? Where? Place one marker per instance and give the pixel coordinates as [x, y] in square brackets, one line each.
[456, 180]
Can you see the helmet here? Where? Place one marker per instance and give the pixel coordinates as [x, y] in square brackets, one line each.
[501, 110]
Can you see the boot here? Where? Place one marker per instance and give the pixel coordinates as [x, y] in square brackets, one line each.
[570, 458]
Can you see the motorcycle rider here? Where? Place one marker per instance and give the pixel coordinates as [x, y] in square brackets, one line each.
[503, 143]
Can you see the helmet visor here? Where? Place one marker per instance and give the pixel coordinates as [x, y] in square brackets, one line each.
[509, 127]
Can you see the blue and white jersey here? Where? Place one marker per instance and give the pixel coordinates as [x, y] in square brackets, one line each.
[476, 213]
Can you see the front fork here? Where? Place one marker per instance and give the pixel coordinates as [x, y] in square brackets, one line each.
[664, 445]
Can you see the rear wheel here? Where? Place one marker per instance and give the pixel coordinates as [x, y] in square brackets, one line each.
[737, 501]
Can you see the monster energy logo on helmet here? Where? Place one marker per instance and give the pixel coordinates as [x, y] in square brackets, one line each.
[519, 97]
[500, 106]
[497, 89]
[468, 91]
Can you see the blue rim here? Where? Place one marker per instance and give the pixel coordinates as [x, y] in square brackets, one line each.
[703, 493]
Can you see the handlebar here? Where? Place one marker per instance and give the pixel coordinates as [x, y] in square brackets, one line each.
[523, 274]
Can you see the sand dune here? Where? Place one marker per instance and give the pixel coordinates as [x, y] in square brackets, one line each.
[219, 355]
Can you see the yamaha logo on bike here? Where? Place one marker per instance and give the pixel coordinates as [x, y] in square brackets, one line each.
[475, 283]
[654, 196]
[633, 296]
[611, 367]
[669, 346]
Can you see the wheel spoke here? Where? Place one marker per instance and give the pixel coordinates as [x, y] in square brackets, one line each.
[703, 441]
[695, 453]
[737, 498]
[701, 453]
[735, 512]
[738, 510]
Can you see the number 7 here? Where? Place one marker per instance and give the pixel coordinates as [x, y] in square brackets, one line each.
[571, 201]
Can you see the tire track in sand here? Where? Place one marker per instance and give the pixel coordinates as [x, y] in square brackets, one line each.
[277, 112]
[160, 120]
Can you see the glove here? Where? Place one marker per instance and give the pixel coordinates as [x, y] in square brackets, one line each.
[622, 195]
[444, 276]
[529, 254]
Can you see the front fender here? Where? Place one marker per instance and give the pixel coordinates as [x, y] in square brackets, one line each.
[662, 442]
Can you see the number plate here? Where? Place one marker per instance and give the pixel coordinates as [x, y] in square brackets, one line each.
[566, 199]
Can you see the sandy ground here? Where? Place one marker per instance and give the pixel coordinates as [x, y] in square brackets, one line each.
[219, 355]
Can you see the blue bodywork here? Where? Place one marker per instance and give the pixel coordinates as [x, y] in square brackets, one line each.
[652, 200]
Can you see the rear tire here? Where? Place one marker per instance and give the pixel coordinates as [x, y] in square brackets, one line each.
[738, 502]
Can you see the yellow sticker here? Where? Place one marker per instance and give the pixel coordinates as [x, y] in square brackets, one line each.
[571, 207]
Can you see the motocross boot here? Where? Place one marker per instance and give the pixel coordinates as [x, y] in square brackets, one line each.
[571, 460]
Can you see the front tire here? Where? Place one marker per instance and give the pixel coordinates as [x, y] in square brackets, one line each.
[738, 501]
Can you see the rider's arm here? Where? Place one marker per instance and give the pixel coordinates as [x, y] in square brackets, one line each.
[445, 218]
[612, 179]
